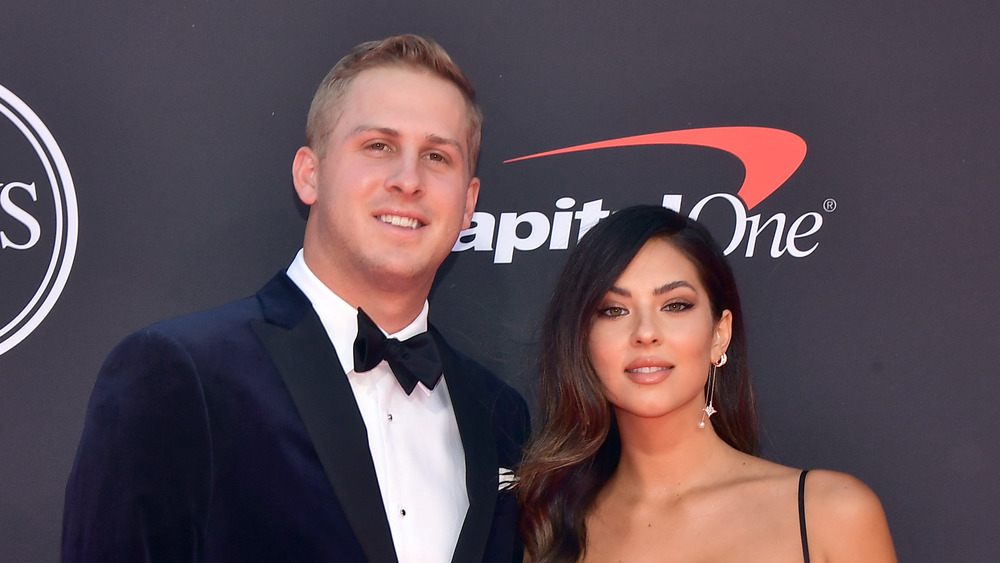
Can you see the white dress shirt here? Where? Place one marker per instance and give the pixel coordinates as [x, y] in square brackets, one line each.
[413, 439]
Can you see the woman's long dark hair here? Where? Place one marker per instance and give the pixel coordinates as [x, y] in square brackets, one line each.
[577, 446]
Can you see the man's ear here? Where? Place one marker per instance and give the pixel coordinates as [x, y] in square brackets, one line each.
[471, 196]
[305, 168]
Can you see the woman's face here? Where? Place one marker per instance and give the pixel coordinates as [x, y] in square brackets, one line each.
[653, 337]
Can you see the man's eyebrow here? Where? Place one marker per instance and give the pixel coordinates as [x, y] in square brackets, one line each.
[366, 128]
[439, 140]
[390, 132]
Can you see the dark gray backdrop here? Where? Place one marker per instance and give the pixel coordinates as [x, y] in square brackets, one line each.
[872, 355]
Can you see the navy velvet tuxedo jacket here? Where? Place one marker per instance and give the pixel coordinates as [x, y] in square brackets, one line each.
[233, 435]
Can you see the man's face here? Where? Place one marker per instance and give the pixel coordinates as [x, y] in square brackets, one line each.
[393, 190]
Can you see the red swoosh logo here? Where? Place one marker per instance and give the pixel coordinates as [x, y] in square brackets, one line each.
[769, 156]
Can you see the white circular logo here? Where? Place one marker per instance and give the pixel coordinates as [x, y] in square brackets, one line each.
[38, 221]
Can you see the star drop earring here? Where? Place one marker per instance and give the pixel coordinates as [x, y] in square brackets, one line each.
[709, 410]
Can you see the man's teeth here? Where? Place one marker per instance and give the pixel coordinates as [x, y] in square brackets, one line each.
[398, 221]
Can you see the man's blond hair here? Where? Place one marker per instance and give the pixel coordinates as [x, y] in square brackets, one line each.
[408, 51]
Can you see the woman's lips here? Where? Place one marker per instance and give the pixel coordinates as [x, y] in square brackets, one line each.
[648, 370]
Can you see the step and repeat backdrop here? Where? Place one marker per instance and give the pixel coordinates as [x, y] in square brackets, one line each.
[846, 156]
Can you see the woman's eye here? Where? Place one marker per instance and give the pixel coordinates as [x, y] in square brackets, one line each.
[676, 306]
[614, 311]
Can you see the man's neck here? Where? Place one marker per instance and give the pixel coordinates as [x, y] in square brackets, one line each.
[392, 306]
[391, 315]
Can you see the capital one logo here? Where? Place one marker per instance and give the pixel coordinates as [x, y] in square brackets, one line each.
[38, 221]
[769, 156]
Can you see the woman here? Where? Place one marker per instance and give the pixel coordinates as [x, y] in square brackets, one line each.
[647, 446]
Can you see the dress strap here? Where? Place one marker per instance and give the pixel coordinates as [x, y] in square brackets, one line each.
[802, 515]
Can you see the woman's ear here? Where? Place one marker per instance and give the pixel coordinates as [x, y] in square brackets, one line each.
[723, 333]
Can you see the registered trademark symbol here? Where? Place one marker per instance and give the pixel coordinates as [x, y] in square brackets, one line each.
[830, 205]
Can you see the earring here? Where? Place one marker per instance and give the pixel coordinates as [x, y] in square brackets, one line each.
[709, 410]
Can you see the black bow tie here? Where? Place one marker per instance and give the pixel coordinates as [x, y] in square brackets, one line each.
[414, 359]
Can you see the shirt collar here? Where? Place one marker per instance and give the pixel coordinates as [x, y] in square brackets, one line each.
[338, 317]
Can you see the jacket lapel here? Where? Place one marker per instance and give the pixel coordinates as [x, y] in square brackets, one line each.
[298, 345]
[474, 427]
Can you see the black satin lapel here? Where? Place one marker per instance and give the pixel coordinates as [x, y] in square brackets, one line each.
[474, 427]
[315, 379]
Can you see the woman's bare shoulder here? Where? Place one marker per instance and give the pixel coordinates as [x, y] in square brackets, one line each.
[840, 496]
[845, 520]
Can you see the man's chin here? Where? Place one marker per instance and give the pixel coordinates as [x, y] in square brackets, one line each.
[401, 275]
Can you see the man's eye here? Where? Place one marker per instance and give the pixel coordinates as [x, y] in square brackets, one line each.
[378, 146]
[437, 157]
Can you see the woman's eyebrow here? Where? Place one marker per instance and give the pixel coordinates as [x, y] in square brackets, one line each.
[667, 287]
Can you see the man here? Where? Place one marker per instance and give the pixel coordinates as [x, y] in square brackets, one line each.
[272, 429]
